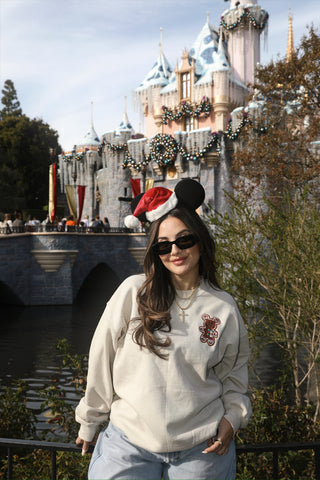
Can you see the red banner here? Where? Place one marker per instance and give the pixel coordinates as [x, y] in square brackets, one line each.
[135, 185]
[52, 191]
[81, 195]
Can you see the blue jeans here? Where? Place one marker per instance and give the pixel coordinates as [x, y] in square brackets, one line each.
[115, 458]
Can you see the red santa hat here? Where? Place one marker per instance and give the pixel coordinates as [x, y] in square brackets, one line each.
[159, 201]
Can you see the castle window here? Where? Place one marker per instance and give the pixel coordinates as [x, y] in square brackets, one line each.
[185, 78]
[189, 124]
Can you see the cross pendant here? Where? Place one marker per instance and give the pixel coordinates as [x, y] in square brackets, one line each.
[182, 314]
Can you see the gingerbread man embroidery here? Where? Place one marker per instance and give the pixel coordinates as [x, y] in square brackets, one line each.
[209, 329]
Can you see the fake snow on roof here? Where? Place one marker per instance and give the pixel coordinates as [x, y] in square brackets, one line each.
[209, 54]
[125, 125]
[171, 86]
[159, 73]
[90, 138]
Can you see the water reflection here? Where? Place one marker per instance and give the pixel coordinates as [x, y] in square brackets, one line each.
[28, 336]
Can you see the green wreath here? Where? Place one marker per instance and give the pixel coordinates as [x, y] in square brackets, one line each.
[163, 149]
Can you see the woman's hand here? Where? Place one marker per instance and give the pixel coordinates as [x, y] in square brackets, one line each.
[85, 445]
[221, 443]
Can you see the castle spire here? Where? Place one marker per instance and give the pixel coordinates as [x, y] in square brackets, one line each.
[160, 44]
[159, 75]
[161, 55]
[290, 45]
[91, 114]
[125, 121]
[91, 138]
[125, 104]
[125, 124]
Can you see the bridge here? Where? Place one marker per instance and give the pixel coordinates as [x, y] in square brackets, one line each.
[49, 268]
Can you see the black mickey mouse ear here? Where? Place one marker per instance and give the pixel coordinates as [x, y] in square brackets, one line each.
[190, 193]
[134, 204]
[135, 201]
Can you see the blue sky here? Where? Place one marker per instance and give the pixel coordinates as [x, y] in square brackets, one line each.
[64, 54]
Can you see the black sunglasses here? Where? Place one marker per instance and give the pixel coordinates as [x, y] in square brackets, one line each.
[187, 241]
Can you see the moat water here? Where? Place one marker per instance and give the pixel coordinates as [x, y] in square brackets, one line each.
[28, 338]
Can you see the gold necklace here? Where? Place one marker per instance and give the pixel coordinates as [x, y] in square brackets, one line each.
[186, 298]
[182, 314]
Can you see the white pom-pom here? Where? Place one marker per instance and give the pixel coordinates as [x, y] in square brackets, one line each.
[131, 221]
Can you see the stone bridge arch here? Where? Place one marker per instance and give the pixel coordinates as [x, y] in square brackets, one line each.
[50, 268]
[8, 296]
[98, 286]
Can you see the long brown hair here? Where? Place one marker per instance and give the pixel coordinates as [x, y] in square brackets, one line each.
[157, 293]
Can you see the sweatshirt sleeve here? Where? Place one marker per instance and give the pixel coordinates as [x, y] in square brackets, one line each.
[94, 407]
[233, 373]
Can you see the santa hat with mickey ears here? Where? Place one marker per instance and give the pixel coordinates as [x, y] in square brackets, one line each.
[159, 201]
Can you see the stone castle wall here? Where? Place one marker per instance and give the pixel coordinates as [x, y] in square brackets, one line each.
[108, 183]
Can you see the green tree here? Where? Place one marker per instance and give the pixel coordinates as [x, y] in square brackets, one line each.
[24, 161]
[276, 150]
[10, 101]
[16, 420]
[271, 264]
[269, 240]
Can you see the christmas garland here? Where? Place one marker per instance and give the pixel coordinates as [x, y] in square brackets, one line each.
[196, 156]
[245, 14]
[233, 135]
[186, 110]
[114, 147]
[68, 157]
[129, 162]
[164, 148]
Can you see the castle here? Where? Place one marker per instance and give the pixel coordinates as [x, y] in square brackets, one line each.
[186, 114]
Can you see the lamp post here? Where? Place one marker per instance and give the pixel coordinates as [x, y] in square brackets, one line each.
[74, 167]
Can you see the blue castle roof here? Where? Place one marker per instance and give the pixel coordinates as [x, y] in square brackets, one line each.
[209, 52]
[90, 138]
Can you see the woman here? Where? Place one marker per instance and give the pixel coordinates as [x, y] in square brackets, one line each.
[169, 357]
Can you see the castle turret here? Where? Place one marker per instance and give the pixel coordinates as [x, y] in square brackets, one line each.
[125, 126]
[113, 181]
[243, 24]
[221, 77]
[148, 93]
[91, 140]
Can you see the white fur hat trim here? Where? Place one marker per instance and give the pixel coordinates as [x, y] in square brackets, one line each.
[170, 204]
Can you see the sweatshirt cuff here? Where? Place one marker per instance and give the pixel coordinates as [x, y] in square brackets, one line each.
[87, 433]
[235, 424]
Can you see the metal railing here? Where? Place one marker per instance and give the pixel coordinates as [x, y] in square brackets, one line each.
[55, 447]
[62, 229]
[283, 447]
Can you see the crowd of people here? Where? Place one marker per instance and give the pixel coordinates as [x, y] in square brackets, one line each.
[15, 224]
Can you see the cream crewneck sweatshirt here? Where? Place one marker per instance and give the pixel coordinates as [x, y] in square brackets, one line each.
[173, 404]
